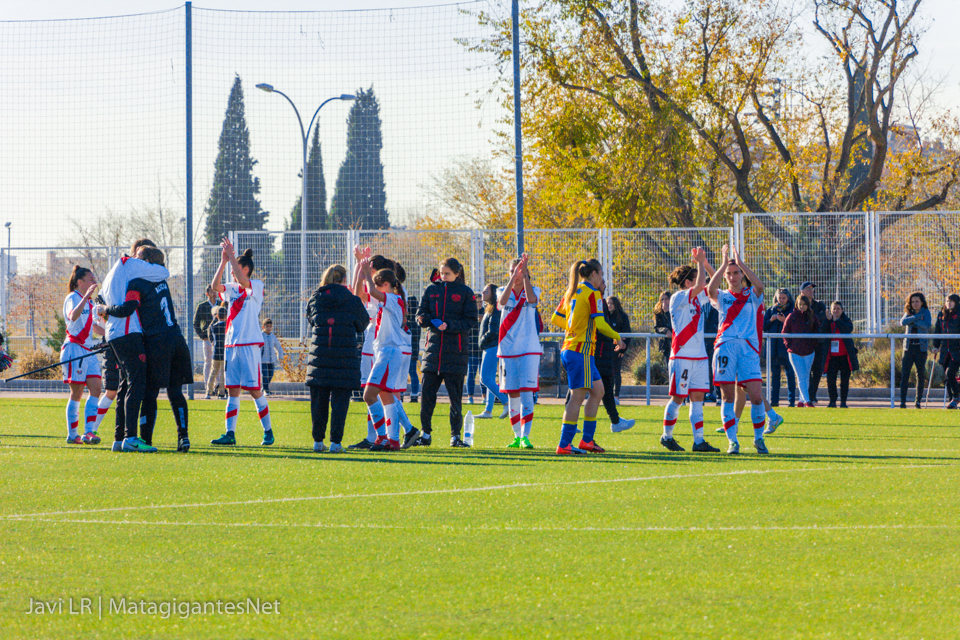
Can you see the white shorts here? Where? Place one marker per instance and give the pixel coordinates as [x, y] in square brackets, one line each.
[520, 374]
[78, 372]
[242, 367]
[383, 374]
[402, 374]
[366, 363]
[736, 361]
[688, 375]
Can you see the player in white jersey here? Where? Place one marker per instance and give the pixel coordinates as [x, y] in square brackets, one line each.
[243, 340]
[736, 356]
[81, 325]
[391, 338]
[689, 367]
[519, 349]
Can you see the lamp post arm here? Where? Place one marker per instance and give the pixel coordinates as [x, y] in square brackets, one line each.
[318, 111]
[303, 134]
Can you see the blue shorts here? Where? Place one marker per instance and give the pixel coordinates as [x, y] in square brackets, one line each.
[577, 365]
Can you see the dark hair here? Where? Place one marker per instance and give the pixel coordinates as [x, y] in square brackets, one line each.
[790, 300]
[907, 309]
[379, 262]
[838, 303]
[221, 312]
[579, 270]
[209, 288]
[78, 273]
[682, 274]
[658, 308]
[142, 242]
[388, 276]
[808, 314]
[266, 321]
[489, 307]
[614, 303]
[956, 302]
[152, 255]
[454, 265]
[246, 260]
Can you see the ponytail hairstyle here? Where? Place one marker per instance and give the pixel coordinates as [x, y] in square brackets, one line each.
[908, 308]
[658, 308]
[579, 270]
[246, 260]
[388, 276]
[78, 274]
[152, 255]
[682, 274]
[454, 265]
[335, 274]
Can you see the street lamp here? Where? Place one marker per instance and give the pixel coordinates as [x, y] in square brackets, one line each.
[304, 134]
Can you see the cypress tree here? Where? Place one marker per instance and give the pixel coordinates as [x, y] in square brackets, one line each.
[360, 196]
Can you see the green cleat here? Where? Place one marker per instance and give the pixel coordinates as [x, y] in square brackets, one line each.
[227, 438]
[516, 444]
[267, 438]
[136, 445]
[525, 443]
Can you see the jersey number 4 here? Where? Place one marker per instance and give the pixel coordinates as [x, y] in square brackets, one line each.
[685, 374]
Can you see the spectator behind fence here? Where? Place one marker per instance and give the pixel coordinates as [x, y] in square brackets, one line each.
[802, 351]
[217, 332]
[820, 353]
[271, 353]
[841, 354]
[917, 319]
[948, 322]
[336, 316]
[662, 325]
[618, 319]
[412, 304]
[779, 358]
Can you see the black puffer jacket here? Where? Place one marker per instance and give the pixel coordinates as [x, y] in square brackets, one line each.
[454, 303]
[604, 351]
[336, 316]
[948, 322]
[490, 330]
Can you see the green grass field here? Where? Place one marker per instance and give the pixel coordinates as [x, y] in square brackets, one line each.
[848, 529]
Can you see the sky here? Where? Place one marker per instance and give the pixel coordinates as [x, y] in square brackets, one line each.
[424, 129]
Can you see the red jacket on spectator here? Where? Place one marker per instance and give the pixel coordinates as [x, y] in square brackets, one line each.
[797, 322]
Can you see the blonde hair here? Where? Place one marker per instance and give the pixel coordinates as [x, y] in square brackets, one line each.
[579, 270]
[335, 274]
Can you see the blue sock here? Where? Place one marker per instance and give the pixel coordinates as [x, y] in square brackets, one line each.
[589, 428]
[567, 432]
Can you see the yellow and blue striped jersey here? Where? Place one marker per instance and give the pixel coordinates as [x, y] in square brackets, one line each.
[579, 319]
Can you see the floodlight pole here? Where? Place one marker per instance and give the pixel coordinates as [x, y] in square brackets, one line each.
[518, 136]
[305, 138]
[5, 265]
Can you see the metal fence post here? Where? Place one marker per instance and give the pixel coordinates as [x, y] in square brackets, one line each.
[893, 368]
[477, 258]
[769, 381]
[648, 371]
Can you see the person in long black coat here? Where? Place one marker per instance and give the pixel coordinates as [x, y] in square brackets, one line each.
[336, 316]
[447, 313]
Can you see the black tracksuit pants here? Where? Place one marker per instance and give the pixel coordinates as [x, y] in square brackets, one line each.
[322, 399]
[913, 357]
[428, 402]
[838, 365]
[133, 374]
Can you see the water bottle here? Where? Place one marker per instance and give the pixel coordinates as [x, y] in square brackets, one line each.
[468, 428]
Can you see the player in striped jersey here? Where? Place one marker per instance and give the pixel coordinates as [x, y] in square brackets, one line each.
[244, 299]
[81, 325]
[736, 358]
[689, 367]
[519, 349]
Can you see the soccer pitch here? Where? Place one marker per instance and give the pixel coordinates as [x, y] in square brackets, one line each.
[848, 529]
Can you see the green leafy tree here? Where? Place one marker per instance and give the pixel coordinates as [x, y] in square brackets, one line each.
[360, 196]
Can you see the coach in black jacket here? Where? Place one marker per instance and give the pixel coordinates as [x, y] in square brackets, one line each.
[336, 316]
[448, 312]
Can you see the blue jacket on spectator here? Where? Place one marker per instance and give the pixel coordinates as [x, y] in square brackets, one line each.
[921, 322]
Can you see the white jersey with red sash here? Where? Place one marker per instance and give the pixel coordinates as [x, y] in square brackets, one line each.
[687, 316]
[79, 331]
[391, 324]
[741, 317]
[518, 326]
[243, 314]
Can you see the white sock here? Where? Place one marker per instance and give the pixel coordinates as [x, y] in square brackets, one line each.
[263, 410]
[696, 421]
[403, 418]
[772, 414]
[90, 414]
[729, 412]
[670, 414]
[379, 418]
[102, 407]
[393, 422]
[526, 412]
[230, 416]
[371, 432]
[73, 417]
[757, 416]
[516, 413]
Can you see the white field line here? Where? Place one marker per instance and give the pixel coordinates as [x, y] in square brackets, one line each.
[499, 487]
[532, 529]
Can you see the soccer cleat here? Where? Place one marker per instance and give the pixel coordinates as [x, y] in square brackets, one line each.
[136, 445]
[336, 447]
[319, 447]
[267, 438]
[525, 443]
[183, 445]
[483, 416]
[801, 404]
[720, 430]
[385, 445]
[505, 413]
[515, 444]
[591, 447]
[570, 450]
[363, 444]
[952, 405]
[410, 439]
[227, 438]
[773, 425]
[455, 441]
[671, 444]
[733, 448]
[74, 440]
[704, 447]
[425, 440]
[622, 425]
[91, 438]
[760, 446]
[117, 446]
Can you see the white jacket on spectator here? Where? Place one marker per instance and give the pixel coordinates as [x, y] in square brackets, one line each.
[272, 351]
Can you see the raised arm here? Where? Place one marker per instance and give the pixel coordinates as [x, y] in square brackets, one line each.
[376, 294]
[527, 285]
[747, 271]
[75, 313]
[238, 273]
[700, 257]
[358, 277]
[715, 279]
[217, 282]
